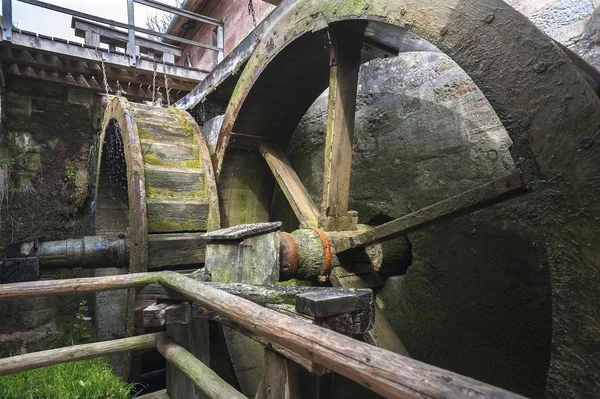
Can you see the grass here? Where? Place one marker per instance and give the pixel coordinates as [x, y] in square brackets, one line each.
[87, 379]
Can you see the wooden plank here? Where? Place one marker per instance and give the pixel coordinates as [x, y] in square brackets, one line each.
[281, 377]
[29, 361]
[201, 376]
[170, 154]
[173, 216]
[179, 313]
[155, 395]
[176, 250]
[485, 195]
[176, 180]
[52, 47]
[329, 302]
[293, 189]
[382, 371]
[343, 83]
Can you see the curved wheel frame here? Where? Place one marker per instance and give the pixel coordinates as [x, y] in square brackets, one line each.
[549, 110]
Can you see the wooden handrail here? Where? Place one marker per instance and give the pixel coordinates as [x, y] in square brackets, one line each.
[29, 361]
[384, 372]
[201, 376]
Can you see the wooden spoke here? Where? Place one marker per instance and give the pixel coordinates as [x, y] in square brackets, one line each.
[479, 197]
[343, 82]
[293, 189]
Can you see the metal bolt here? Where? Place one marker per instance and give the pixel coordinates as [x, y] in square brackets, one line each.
[540, 68]
[443, 31]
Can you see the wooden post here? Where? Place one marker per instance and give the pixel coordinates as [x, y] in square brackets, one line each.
[16, 364]
[343, 83]
[7, 21]
[200, 375]
[220, 44]
[131, 48]
[281, 378]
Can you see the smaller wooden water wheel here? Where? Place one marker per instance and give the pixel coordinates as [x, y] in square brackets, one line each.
[155, 186]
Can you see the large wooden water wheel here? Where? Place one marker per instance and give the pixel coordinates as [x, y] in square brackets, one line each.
[540, 95]
[155, 186]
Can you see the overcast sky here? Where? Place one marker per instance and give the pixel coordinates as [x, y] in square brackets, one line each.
[55, 24]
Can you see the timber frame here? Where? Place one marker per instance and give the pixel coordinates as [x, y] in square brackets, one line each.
[381, 371]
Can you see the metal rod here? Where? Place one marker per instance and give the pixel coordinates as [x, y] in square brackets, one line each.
[179, 11]
[7, 21]
[131, 49]
[117, 24]
[220, 44]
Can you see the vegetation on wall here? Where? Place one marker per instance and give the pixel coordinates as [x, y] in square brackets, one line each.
[87, 379]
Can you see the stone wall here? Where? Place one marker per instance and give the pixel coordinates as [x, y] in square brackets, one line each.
[47, 163]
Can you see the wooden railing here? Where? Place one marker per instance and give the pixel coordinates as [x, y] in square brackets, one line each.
[133, 42]
[386, 373]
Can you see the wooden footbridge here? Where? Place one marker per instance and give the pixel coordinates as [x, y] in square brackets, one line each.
[110, 51]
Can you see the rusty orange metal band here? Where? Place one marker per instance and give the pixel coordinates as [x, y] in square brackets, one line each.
[324, 276]
[293, 252]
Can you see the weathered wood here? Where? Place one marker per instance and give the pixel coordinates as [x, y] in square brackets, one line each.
[29, 361]
[383, 335]
[343, 83]
[113, 36]
[293, 189]
[244, 254]
[156, 395]
[169, 154]
[176, 250]
[15, 270]
[173, 216]
[50, 46]
[487, 194]
[180, 182]
[92, 39]
[341, 277]
[154, 315]
[179, 313]
[384, 372]
[329, 303]
[305, 363]
[193, 337]
[281, 377]
[201, 376]
[76, 285]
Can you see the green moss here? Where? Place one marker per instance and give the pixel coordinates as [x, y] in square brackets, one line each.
[165, 193]
[294, 283]
[153, 159]
[170, 225]
[88, 379]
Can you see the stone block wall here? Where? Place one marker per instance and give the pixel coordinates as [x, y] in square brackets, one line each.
[47, 167]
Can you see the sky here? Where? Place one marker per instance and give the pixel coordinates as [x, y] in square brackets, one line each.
[50, 23]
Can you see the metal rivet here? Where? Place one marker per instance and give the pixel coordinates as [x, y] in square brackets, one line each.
[489, 18]
[366, 7]
[540, 68]
[443, 31]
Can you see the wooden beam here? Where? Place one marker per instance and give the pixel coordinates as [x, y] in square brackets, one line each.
[76, 285]
[156, 395]
[293, 189]
[281, 378]
[384, 372]
[485, 195]
[79, 52]
[203, 377]
[343, 83]
[29, 361]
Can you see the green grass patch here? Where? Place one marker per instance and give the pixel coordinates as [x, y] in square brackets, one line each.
[86, 379]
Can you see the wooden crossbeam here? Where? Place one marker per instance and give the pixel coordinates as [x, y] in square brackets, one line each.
[290, 184]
